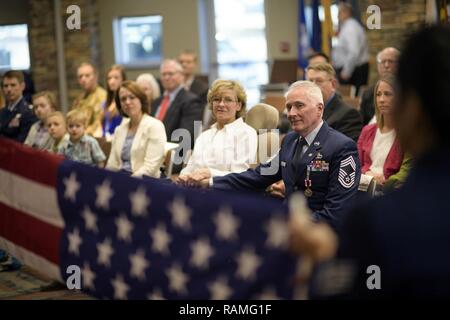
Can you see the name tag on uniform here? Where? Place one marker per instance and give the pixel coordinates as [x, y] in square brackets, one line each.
[320, 166]
[283, 163]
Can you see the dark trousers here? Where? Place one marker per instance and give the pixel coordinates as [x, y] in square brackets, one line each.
[359, 77]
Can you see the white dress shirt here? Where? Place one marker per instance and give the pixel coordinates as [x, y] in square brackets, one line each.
[230, 149]
[351, 50]
[13, 105]
[381, 146]
[311, 136]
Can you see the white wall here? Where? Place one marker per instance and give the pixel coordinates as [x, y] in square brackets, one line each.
[180, 26]
[281, 26]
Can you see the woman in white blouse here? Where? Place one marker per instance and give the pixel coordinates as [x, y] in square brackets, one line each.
[378, 146]
[138, 143]
[230, 145]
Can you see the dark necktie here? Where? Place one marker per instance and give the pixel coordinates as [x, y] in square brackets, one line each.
[298, 152]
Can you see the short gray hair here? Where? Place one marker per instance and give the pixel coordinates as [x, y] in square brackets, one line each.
[151, 81]
[88, 64]
[178, 66]
[394, 50]
[312, 89]
[346, 6]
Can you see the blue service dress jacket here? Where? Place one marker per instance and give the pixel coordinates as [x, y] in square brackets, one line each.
[24, 112]
[331, 161]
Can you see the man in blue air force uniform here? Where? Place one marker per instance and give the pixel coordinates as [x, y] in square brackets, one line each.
[17, 116]
[314, 159]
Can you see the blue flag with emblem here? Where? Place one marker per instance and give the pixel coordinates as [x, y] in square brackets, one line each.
[146, 239]
[316, 39]
[304, 46]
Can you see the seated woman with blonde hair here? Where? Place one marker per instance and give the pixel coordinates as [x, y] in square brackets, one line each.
[138, 142]
[230, 145]
[378, 147]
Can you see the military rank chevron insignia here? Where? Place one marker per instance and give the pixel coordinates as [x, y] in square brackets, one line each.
[347, 172]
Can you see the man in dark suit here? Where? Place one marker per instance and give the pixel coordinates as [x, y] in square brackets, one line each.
[17, 116]
[192, 83]
[314, 159]
[397, 246]
[337, 113]
[176, 108]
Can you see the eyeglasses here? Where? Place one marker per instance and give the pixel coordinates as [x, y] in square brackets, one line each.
[388, 61]
[169, 74]
[226, 101]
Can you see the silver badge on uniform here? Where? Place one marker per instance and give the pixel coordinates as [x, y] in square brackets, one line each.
[347, 172]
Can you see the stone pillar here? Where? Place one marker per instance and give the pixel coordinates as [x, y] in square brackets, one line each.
[43, 46]
[398, 19]
[79, 45]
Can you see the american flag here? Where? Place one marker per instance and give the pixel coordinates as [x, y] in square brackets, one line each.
[146, 238]
[30, 221]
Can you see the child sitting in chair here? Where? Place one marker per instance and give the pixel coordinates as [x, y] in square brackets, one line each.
[38, 136]
[80, 146]
[56, 125]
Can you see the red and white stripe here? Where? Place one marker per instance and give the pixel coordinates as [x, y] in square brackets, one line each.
[30, 220]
